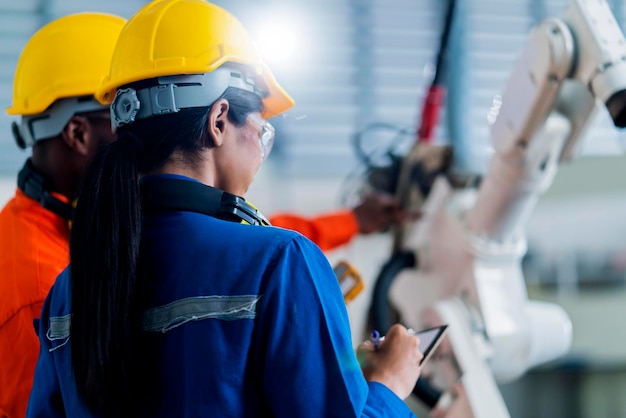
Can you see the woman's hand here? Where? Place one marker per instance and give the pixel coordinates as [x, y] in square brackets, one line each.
[395, 363]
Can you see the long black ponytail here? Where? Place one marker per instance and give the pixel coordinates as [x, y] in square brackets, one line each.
[104, 251]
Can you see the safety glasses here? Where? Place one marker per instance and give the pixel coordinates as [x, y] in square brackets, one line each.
[266, 139]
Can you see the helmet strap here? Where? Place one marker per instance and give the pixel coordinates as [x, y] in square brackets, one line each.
[50, 123]
[173, 93]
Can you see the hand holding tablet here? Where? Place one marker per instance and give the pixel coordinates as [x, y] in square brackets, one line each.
[429, 340]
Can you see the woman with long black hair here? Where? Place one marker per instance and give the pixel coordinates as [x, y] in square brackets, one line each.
[179, 300]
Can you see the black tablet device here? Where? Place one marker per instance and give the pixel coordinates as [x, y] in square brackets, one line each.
[430, 339]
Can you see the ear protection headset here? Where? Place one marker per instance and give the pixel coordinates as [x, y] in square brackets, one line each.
[32, 184]
[174, 194]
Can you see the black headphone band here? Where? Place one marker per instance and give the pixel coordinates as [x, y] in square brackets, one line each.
[192, 196]
[32, 184]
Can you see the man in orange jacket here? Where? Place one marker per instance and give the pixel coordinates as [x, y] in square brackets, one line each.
[56, 77]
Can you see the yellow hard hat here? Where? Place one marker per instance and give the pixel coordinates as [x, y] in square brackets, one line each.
[68, 57]
[172, 37]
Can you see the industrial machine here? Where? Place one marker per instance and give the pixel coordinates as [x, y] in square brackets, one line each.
[460, 264]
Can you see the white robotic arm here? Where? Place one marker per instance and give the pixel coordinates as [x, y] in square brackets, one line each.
[472, 259]
[568, 66]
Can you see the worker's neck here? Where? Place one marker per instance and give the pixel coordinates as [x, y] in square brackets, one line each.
[58, 175]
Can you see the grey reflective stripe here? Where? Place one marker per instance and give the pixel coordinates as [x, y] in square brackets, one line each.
[166, 317]
[172, 315]
[59, 327]
[59, 330]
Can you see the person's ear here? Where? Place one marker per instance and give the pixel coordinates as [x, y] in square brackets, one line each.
[218, 118]
[77, 134]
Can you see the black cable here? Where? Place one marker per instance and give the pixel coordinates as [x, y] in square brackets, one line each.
[440, 66]
[381, 313]
[367, 157]
[383, 316]
[426, 392]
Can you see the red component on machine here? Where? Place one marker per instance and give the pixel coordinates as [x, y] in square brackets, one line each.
[430, 113]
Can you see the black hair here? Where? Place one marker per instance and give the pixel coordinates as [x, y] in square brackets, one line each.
[105, 242]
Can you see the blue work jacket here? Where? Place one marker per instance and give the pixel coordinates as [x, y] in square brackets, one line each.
[238, 321]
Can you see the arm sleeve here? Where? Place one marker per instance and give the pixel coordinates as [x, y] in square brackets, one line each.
[309, 367]
[45, 397]
[327, 231]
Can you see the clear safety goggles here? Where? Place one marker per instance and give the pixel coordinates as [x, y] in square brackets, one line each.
[266, 139]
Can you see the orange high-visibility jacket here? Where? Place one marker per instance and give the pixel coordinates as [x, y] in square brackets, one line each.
[327, 231]
[33, 251]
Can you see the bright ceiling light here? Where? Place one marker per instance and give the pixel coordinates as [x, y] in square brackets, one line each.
[278, 44]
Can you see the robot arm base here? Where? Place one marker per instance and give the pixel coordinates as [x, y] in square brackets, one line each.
[472, 389]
